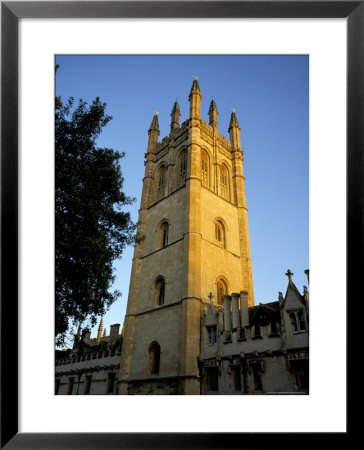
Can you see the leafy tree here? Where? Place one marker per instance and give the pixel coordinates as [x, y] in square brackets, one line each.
[91, 229]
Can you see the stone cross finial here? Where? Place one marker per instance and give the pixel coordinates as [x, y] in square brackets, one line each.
[211, 296]
[289, 275]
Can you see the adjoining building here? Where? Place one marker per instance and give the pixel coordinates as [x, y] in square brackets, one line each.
[261, 349]
[92, 366]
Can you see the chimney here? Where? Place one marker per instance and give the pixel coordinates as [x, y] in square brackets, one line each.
[244, 310]
[227, 318]
[235, 310]
[114, 333]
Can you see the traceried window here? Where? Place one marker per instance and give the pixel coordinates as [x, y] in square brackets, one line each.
[204, 169]
[182, 167]
[224, 183]
[221, 291]
[162, 175]
[159, 291]
[154, 358]
[220, 233]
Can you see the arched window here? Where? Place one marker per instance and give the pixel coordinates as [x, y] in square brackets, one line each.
[224, 183]
[162, 175]
[163, 234]
[182, 167]
[204, 169]
[220, 233]
[159, 291]
[221, 291]
[154, 358]
[292, 316]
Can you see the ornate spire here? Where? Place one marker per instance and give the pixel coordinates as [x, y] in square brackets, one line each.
[175, 114]
[99, 332]
[104, 335]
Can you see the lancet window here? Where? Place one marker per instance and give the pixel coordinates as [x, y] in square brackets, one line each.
[163, 234]
[220, 233]
[154, 358]
[159, 291]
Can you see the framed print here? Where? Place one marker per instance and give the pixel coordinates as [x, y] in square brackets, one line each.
[180, 27]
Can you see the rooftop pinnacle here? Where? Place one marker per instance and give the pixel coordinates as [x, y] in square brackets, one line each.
[213, 107]
[233, 121]
[155, 124]
[195, 89]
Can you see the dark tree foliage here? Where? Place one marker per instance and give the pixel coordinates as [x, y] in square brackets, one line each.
[91, 229]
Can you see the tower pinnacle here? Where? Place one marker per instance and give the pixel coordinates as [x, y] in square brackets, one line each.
[154, 126]
[213, 112]
[195, 100]
[234, 131]
[175, 115]
[153, 133]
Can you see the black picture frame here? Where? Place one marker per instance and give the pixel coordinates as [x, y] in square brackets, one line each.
[11, 12]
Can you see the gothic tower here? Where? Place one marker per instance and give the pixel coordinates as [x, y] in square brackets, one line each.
[193, 240]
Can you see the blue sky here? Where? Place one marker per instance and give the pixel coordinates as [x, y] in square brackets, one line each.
[271, 96]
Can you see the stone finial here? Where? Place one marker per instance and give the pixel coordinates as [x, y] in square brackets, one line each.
[289, 275]
[211, 296]
[104, 335]
[307, 272]
[280, 297]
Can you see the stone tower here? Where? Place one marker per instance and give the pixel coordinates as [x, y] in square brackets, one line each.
[194, 240]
